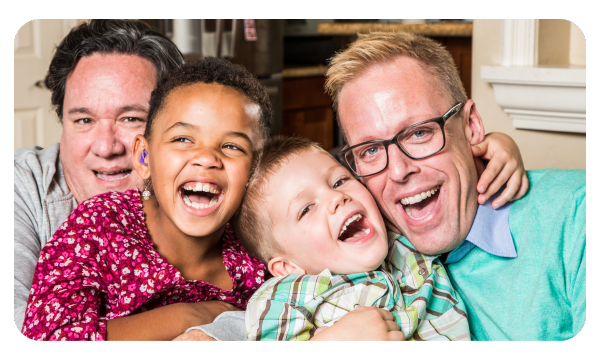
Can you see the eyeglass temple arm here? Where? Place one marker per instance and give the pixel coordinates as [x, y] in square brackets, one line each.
[455, 109]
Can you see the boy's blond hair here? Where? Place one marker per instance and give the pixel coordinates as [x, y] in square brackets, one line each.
[252, 222]
[380, 47]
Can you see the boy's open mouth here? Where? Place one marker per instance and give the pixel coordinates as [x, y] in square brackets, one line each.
[355, 227]
[200, 195]
[418, 206]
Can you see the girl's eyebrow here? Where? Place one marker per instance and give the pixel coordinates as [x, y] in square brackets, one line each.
[184, 125]
[242, 135]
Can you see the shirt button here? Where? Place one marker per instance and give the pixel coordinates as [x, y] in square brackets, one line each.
[422, 271]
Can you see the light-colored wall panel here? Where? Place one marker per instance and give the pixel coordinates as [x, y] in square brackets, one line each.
[34, 46]
[540, 149]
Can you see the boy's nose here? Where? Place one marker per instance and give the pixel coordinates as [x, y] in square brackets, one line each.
[338, 199]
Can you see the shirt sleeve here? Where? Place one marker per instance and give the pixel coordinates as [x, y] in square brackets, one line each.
[65, 297]
[429, 308]
[27, 246]
[229, 326]
[272, 320]
[576, 262]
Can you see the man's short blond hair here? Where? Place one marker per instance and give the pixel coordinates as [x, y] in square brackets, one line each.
[381, 47]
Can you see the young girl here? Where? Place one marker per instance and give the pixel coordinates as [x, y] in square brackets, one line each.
[156, 259]
[123, 268]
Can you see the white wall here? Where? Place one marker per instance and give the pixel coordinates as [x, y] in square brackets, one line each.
[560, 43]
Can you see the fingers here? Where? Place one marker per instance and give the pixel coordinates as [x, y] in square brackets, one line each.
[385, 315]
[493, 177]
[523, 189]
[392, 325]
[479, 149]
[395, 336]
[512, 186]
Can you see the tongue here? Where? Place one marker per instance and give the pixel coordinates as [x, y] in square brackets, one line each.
[422, 208]
[356, 236]
[199, 198]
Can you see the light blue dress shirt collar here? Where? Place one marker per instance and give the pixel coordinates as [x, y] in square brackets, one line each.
[490, 232]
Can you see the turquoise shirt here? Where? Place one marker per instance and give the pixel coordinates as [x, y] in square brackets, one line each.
[540, 294]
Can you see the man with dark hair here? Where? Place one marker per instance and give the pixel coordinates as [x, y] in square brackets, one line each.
[101, 78]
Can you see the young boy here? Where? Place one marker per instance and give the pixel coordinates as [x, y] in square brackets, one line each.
[325, 242]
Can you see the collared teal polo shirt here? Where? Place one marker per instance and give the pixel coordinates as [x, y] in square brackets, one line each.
[521, 270]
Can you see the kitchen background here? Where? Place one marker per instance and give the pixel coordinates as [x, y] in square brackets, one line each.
[527, 77]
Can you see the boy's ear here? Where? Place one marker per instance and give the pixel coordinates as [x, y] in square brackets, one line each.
[139, 158]
[279, 266]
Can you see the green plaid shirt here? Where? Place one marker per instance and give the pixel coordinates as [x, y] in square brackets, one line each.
[413, 286]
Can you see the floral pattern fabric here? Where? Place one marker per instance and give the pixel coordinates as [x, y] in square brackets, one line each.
[100, 265]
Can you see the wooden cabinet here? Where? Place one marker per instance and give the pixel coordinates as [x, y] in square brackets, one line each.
[461, 50]
[307, 110]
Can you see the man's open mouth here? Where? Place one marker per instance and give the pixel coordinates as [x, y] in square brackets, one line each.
[112, 176]
[355, 228]
[200, 195]
[418, 206]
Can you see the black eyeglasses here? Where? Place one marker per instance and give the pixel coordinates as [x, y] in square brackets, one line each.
[417, 141]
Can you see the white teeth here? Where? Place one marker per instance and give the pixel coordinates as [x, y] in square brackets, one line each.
[202, 187]
[368, 231]
[99, 175]
[195, 205]
[349, 221]
[419, 197]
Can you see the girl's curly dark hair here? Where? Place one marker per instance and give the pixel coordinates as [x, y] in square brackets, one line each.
[209, 71]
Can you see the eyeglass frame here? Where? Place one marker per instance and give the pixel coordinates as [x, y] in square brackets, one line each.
[441, 121]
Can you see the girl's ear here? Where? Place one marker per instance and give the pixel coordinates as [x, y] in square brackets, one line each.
[278, 266]
[140, 157]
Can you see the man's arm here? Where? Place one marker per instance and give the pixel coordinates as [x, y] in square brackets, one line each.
[27, 247]
[229, 326]
[166, 322]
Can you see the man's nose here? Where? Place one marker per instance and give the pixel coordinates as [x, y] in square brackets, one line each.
[337, 199]
[107, 143]
[207, 158]
[400, 166]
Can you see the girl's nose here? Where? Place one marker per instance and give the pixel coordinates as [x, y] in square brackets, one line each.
[208, 159]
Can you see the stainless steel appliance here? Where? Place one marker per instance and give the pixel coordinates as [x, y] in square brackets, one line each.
[257, 44]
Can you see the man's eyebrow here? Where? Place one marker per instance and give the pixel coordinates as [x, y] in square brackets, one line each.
[86, 111]
[80, 110]
[184, 125]
[133, 108]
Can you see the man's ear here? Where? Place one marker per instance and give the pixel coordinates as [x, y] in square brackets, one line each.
[474, 130]
[137, 155]
[278, 266]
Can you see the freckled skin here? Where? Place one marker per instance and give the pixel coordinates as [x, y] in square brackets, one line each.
[389, 97]
[312, 241]
[101, 138]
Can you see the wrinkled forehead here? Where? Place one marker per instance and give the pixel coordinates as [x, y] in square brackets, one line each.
[388, 97]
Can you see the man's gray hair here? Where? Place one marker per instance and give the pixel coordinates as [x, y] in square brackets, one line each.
[106, 37]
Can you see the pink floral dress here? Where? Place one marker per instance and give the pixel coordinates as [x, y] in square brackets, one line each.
[100, 265]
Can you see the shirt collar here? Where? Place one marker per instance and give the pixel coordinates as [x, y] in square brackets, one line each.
[490, 232]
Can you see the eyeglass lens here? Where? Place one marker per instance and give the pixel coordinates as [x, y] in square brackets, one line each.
[418, 142]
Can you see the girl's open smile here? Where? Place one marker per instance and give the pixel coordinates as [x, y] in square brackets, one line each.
[201, 198]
